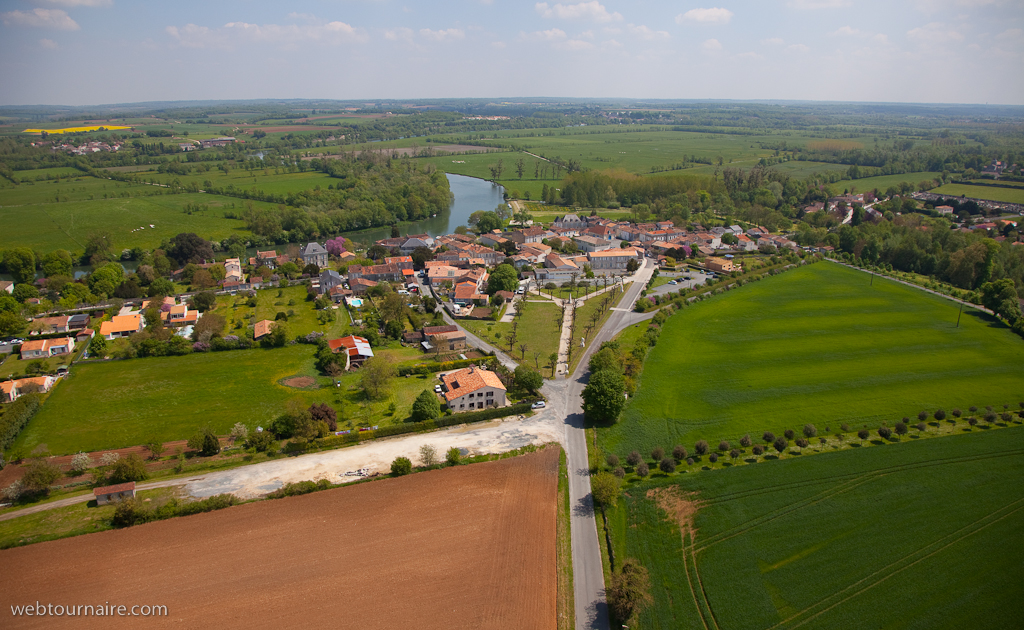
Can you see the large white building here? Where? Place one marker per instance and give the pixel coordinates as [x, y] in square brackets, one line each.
[612, 260]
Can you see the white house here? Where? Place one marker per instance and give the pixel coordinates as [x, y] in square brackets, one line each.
[472, 388]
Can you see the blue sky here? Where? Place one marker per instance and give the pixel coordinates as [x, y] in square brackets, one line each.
[79, 52]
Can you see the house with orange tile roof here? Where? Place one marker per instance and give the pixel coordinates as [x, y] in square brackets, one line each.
[180, 315]
[121, 326]
[472, 388]
[11, 390]
[43, 348]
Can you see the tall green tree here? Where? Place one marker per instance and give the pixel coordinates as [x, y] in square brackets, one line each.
[603, 397]
[503, 278]
[57, 263]
[21, 264]
[426, 407]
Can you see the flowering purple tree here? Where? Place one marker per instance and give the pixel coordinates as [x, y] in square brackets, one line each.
[336, 246]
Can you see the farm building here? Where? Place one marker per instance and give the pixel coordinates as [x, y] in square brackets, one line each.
[113, 494]
[7, 285]
[261, 329]
[472, 388]
[356, 348]
[718, 264]
[445, 338]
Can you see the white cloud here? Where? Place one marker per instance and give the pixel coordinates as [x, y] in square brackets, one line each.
[443, 35]
[550, 35]
[818, 4]
[711, 45]
[398, 34]
[48, 43]
[1013, 33]
[706, 16]
[800, 48]
[749, 55]
[40, 18]
[774, 41]
[846, 30]
[497, 44]
[576, 44]
[81, 3]
[611, 43]
[643, 32]
[592, 10]
[935, 33]
[289, 35]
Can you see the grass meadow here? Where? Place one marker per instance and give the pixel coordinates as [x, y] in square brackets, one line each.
[115, 404]
[269, 180]
[906, 535]
[882, 182]
[993, 193]
[820, 345]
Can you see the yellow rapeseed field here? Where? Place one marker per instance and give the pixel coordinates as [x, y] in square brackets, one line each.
[77, 129]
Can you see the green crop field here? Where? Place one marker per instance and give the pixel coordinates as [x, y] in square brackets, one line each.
[909, 535]
[1004, 195]
[123, 403]
[48, 215]
[818, 344]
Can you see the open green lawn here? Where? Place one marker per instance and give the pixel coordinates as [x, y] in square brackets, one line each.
[539, 328]
[912, 535]
[269, 302]
[817, 345]
[1005, 195]
[115, 404]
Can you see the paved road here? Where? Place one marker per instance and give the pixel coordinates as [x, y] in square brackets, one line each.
[588, 573]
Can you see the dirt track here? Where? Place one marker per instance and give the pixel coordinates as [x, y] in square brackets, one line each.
[465, 547]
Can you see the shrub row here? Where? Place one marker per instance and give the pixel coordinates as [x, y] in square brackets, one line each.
[298, 488]
[134, 512]
[422, 427]
[15, 417]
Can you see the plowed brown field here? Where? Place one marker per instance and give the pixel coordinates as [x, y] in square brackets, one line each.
[465, 547]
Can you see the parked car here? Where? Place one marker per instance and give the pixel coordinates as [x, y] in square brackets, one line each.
[437, 389]
[540, 404]
[672, 282]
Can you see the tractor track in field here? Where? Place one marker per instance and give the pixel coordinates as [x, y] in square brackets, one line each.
[845, 487]
[786, 510]
[957, 536]
[724, 498]
[689, 581]
[700, 582]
